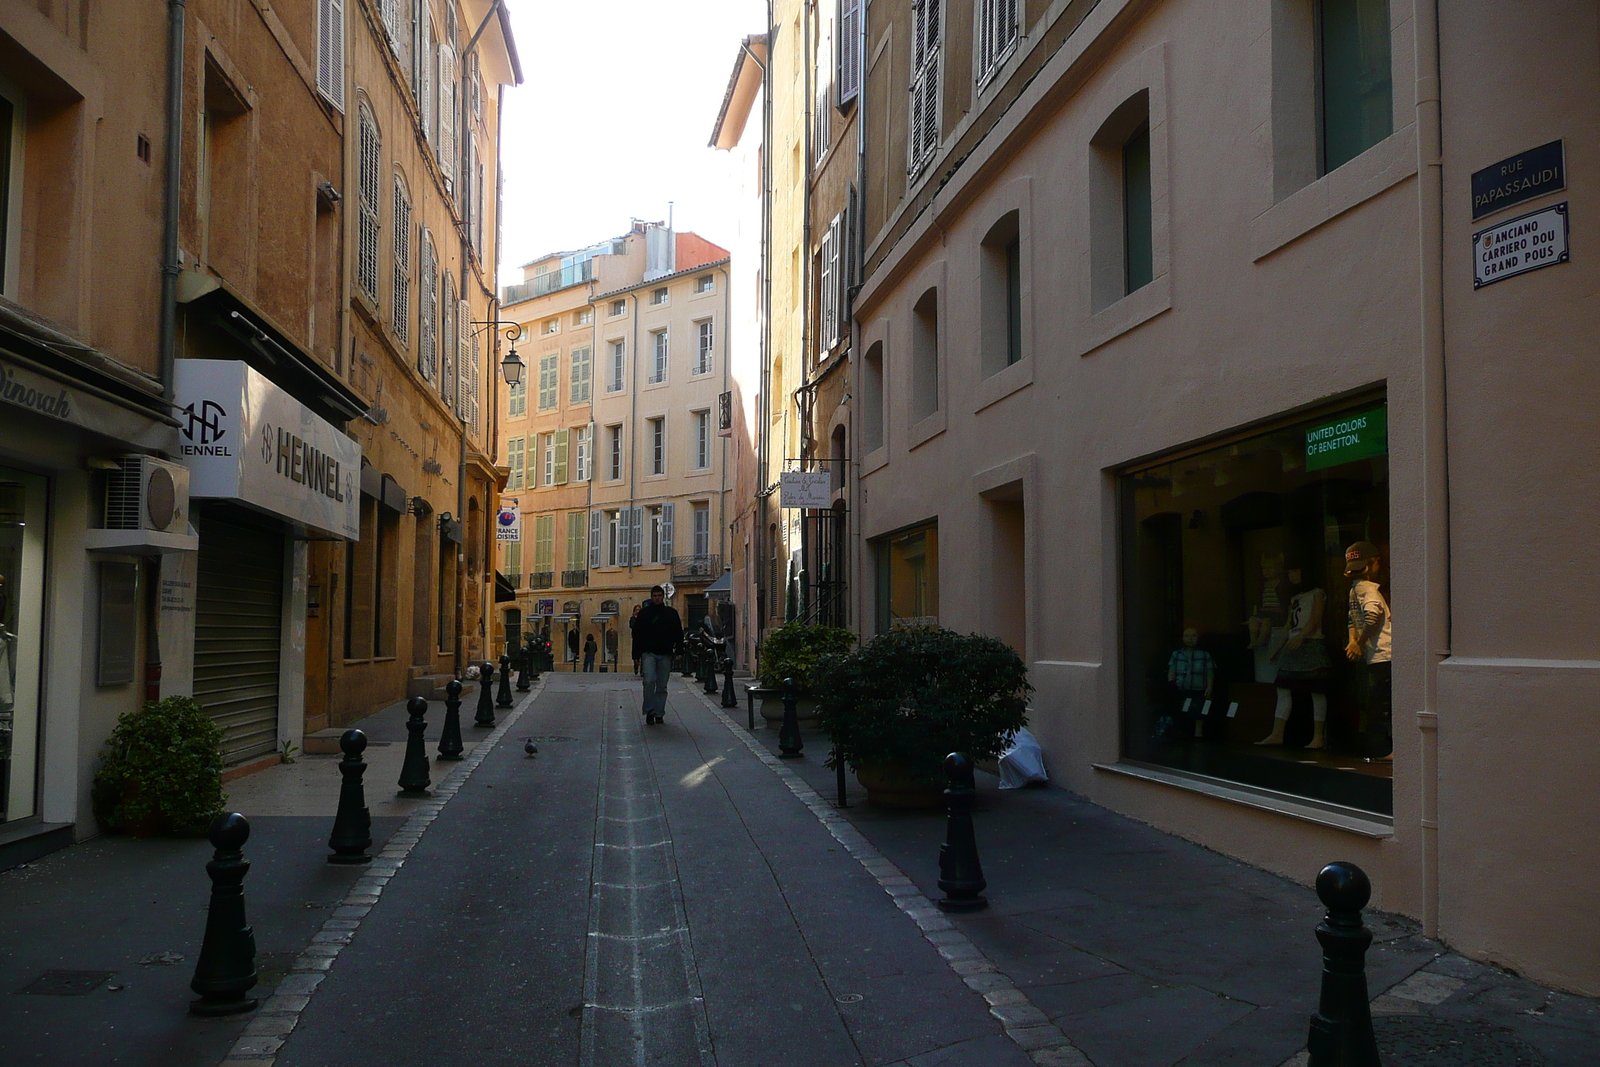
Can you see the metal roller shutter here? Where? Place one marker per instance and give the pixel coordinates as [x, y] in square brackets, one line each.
[238, 627]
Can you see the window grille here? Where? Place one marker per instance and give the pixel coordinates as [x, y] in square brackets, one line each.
[370, 162]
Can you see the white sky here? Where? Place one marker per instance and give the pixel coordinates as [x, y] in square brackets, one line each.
[612, 121]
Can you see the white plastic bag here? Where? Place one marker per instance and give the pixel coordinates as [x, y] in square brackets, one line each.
[1023, 763]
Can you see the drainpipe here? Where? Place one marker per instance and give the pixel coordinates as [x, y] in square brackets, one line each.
[633, 418]
[1436, 461]
[170, 203]
[851, 470]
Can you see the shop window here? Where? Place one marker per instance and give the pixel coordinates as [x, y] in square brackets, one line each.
[22, 557]
[1256, 629]
[907, 572]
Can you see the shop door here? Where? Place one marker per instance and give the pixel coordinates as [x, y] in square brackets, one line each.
[238, 627]
[22, 556]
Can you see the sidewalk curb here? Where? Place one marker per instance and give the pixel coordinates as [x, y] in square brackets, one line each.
[1024, 1023]
[278, 1016]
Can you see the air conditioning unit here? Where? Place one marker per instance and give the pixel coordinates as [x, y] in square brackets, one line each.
[145, 493]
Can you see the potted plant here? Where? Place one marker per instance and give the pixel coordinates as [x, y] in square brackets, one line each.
[897, 706]
[161, 770]
[793, 651]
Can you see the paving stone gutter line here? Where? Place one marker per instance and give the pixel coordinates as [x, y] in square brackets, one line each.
[1024, 1023]
[277, 1018]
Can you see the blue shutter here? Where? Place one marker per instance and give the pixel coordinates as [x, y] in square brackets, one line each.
[594, 540]
[666, 533]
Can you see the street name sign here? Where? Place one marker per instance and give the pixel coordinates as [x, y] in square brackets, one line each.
[1528, 242]
[1521, 177]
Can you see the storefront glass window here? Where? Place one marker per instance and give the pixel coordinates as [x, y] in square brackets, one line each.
[1256, 626]
[22, 540]
[908, 578]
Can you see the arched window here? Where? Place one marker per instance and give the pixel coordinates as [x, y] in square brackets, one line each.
[401, 292]
[369, 163]
[427, 308]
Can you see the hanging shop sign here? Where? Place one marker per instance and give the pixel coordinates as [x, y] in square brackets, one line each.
[1528, 242]
[805, 489]
[508, 522]
[246, 439]
[725, 414]
[1348, 438]
[1521, 177]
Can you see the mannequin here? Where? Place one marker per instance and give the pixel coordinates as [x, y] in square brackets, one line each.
[1302, 661]
[1193, 672]
[1266, 622]
[1371, 636]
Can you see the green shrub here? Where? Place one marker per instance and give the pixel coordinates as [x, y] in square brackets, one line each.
[914, 695]
[162, 765]
[792, 651]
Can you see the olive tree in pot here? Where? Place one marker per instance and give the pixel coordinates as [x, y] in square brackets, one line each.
[161, 770]
[792, 651]
[897, 706]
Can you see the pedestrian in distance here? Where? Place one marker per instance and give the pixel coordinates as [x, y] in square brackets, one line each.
[657, 637]
[572, 646]
[589, 648]
[633, 639]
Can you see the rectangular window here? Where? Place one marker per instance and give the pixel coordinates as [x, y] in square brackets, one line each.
[997, 35]
[908, 578]
[577, 555]
[582, 449]
[925, 355]
[702, 529]
[544, 533]
[703, 348]
[514, 460]
[369, 162]
[619, 363]
[400, 290]
[547, 442]
[614, 452]
[549, 377]
[1249, 571]
[658, 296]
[653, 535]
[658, 445]
[1357, 89]
[517, 399]
[551, 326]
[701, 421]
[705, 283]
[579, 379]
[616, 547]
[563, 439]
[583, 316]
[1014, 300]
[619, 307]
[658, 370]
[1138, 258]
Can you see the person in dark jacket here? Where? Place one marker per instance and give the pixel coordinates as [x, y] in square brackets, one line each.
[589, 648]
[657, 637]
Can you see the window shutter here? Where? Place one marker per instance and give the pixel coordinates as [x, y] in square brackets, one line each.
[466, 369]
[637, 539]
[401, 294]
[427, 308]
[563, 451]
[447, 342]
[849, 50]
[427, 67]
[594, 539]
[923, 135]
[447, 115]
[666, 532]
[330, 51]
[369, 162]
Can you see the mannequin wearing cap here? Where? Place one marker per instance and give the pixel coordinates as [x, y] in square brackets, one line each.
[1371, 635]
[1193, 672]
[1302, 660]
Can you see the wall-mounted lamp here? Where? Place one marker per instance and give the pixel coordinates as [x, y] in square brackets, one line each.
[511, 368]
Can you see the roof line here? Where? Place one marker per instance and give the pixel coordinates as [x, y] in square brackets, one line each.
[724, 261]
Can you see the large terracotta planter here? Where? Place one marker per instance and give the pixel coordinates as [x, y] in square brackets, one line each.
[891, 785]
[772, 707]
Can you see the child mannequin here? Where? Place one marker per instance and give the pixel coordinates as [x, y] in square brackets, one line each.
[1266, 621]
[1371, 635]
[1302, 662]
[1193, 672]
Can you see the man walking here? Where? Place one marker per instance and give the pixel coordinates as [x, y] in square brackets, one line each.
[657, 637]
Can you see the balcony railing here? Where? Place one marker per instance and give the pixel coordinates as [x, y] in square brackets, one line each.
[696, 568]
[514, 580]
[574, 579]
[576, 274]
[541, 579]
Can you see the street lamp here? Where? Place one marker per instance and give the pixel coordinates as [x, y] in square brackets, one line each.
[513, 368]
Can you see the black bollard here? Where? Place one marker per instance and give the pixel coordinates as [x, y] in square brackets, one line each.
[789, 743]
[352, 823]
[838, 776]
[711, 671]
[414, 779]
[750, 706]
[503, 698]
[960, 873]
[485, 716]
[226, 969]
[730, 699]
[1341, 1030]
[522, 670]
[450, 734]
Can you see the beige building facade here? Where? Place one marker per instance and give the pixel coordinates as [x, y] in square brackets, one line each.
[618, 467]
[1171, 369]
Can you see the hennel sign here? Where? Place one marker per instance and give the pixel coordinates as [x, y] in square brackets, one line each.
[1521, 177]
[1348, 438]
